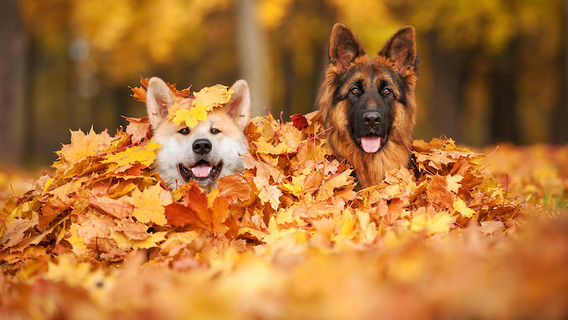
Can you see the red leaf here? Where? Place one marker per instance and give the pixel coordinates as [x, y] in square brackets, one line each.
[299, 121]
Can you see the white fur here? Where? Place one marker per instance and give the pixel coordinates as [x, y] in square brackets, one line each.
[228, 146]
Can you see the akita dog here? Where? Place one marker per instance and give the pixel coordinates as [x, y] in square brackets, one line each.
[206, 152]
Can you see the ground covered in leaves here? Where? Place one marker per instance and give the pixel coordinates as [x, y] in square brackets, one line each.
[459, 235]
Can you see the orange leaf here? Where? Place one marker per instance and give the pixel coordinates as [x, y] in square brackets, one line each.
[138, 128]
[235, 187]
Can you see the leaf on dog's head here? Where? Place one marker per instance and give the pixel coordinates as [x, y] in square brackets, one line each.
[194, 110]
[210, 97]
[190, 116]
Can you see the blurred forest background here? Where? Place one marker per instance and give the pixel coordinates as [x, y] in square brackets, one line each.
[491, 71]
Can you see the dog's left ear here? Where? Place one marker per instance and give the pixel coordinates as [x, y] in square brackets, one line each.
[239, 105]
[401, 50]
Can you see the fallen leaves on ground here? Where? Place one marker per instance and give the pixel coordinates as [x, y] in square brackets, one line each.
[291, 237]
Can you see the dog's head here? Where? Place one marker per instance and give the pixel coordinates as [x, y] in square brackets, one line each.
[372, 89]
[205, 152]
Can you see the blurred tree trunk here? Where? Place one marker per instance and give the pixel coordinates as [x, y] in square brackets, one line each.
[503, 95]
[253, 54]
[447, 96]
[12, 78]
[560, 115]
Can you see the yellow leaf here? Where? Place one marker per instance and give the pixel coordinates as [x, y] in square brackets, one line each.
[295, 187]
[149, 204]
[121, 240]
[338, 181]
[190, 117]
[463, 209]
[151, 242]
[265, 147]
[84, 145]
[177, 239]
[145, 155]
[437, 223]
[211, 196]
[215, 96]
[347, 228]
[79, 247]
[196, 110]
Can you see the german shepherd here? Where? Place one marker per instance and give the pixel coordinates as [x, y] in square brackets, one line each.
[369, 103]
[206, 152]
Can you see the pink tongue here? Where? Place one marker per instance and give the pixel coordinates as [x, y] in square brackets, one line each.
[371, 144]
[201, 170]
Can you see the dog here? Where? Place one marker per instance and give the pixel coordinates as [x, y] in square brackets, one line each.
[206, 152]
[368, 104]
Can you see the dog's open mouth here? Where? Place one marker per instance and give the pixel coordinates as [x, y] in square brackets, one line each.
[372, 143]
[202, 172]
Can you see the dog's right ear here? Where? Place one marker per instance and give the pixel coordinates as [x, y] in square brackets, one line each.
[158, 99]
[238, 107]
[344, 47]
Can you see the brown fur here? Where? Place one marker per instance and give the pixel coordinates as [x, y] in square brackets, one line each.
[397, 57]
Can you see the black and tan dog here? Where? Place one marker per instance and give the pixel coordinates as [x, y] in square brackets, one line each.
[369, 103]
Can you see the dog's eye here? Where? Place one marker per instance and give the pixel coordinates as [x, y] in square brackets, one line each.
[356, 91]
[214, 130]
[184, 131]
[386, 92]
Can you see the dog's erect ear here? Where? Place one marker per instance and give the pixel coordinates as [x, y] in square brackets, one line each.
[401, 50]
[344, 47]
[158, 99]
[239, 105]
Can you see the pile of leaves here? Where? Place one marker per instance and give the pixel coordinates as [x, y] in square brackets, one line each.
[537, 173]
[290, 237]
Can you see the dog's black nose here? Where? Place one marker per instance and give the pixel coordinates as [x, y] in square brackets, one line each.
[201, 146]
[371, 119]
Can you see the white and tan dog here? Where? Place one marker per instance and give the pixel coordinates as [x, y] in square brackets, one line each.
[206, 152]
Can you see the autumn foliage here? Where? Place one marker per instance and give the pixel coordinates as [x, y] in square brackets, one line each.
[291, 237]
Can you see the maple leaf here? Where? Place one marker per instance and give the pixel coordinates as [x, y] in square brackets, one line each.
[265, 147]
[268, 193]
[431, 223]
[299, 121]
[189, 116]
[438, 193]
[337, 181]
[77, 242]
[205, 211]
[138, 128]
[14, 232]
[461, 208]
[149, 204]
[139, 93]
[196, 109]
[119, 208]
[295, 187]
[214, 96]
[133, 230]
[84, 145]
[235, 187]
[144, 155]
[149, 242]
